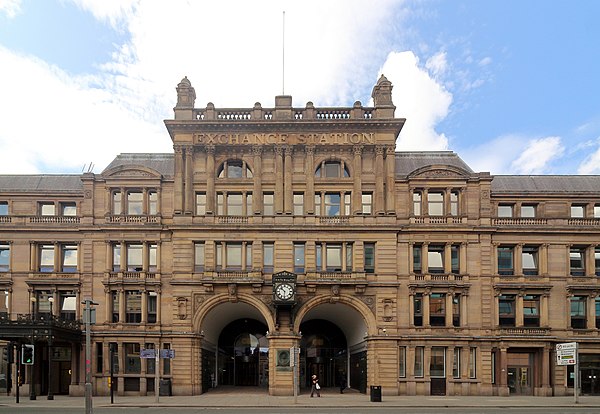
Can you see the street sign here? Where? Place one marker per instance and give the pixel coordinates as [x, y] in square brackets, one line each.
[167, 353]
[147, 353]
[566, 354]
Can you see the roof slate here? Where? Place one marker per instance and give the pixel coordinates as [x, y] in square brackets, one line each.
[161, 162]
[41, 182]
[546, 184]
[407, 162]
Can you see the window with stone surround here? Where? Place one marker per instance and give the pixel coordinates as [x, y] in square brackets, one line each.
[234, 169]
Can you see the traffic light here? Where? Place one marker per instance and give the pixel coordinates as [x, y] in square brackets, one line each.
[27, 352]
[7, 353]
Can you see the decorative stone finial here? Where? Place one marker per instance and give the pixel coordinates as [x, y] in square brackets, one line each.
[186, 95]
[382, 98]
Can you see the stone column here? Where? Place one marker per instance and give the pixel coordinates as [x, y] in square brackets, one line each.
[178, 203]
[425, 305]
[449, 307]
[288, 187]
[108, 305]
[544, 309]
[189, 179]
[309, 168]
[425, 258]
[448, 258]
[464, 309]
[519, 309]
[463, 258]
[279, 179]
[144, 294]
[411, 309]
[257, 181]
[210, 179]
[390, 180]
[158, 306]
[590, 261]
[503, 371]
[591, 311]
[379, 177]
[357, 179]
[518, 259]
[121, 305]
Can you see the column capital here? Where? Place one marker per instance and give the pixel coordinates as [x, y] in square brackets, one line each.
[257, 150]
[357, 150]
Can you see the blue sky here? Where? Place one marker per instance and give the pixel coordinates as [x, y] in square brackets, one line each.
[512, 86]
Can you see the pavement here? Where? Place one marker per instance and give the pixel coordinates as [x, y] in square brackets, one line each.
[329, 398]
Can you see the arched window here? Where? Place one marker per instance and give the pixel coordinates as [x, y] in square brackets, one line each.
[332, 169]
[234, 169]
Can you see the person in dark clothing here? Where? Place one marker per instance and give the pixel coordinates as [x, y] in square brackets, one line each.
[343, 382]
[315, 386]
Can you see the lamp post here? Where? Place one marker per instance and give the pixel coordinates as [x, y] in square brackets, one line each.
[50, 394]
[32, 395]
[88, 355]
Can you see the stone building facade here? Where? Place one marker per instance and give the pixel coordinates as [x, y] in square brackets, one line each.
[269, 229]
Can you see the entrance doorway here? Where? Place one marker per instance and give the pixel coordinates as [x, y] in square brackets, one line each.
[243, 357]
[519, 380]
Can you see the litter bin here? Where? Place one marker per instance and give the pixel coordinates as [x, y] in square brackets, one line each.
[165, 388]
[375, 393]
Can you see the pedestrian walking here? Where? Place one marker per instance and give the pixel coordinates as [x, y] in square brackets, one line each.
[315, 386]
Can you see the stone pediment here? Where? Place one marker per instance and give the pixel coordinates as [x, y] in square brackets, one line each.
[440, 172]
[131, 171]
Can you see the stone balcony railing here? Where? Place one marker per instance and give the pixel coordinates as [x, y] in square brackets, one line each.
[132, 276]
[226, 275]
[335, 276]
[524, 331]
[439, 277]
[258, 113]
[133, 219]
[438, 220]
[542, 221]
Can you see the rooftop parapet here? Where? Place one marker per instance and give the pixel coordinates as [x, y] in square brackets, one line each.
[283, 110]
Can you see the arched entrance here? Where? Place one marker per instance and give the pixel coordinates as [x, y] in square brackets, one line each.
[243, 354]
[234, 346]
[333, 343]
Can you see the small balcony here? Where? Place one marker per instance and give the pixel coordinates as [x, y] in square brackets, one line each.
[524, 331]
[132, 219]
[132, 276]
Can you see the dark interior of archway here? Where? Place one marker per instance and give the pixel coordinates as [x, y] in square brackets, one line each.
[323, 351]
[243, 353]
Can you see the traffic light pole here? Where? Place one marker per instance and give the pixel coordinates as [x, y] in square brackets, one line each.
[88, 356]
[18, 379]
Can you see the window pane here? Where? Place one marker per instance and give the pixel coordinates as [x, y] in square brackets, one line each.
[369, 257]
[530, 260]
[69, 258]
[268, 204]
[268, 256]
[134, 258]
[152, 258]
[419, 353]
[505, 210]
[199, 257]
[455, 253]
[3, 208]
[234, 204]
[332, 169]
[234, 169]
[435, 256]
[367, 203]
[402, 361]
[417, 251]
[456, 363]
[134, 203]
[527, 211]
[454, 203]
[152, 202]
[505, 261]
[332, 204]
[577, 211]
[117, 202]
[132, 358]
[234, 255]
[576, 256]
[299, 257]
[116, 257]
[69, 209]
[334, 257]
[298, 204]
[417, 204]
[596, 211]
[4, 257]
[435, 204]
[437, 366]
[47, 209]
[46, 258]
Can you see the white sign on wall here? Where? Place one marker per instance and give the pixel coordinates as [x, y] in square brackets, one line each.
[566, 354]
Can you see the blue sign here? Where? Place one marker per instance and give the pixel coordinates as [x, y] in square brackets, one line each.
[147, 353]
[167, 353]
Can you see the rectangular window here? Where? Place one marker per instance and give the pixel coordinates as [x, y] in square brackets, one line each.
[334, 257]
[3, 208]
[418, 309]
[437, 363]
[4, 303]
[505, 260]
[505, 210]
[530, 260]
[199, 257]
[67, 305]
[577, 261]
[200, 204]
[577, 211]
[454, 203]
[249, 211]
[417, 262]
[234, 204]
[116, 202]
[68, 209]
[531, 310]
[456, 310]
[46, 258]
[152, 258]
[417, 211]
[116, 257]
[268, 204]
[69, 258]
[113, 348]
[152, 306]
[317, 204]
[99, 359]
[528, 211]
[132, 358]
[493, 367]
[299, 257]
[135, 261]
[135, 203]
[402, 361]
[506, 310]
[435, 204]
[4, 257]
[150, 362]
[367, 203]
[597, 306]
[455, 259]
[47, 209]
[369, 254]
[115, 306]
[472, 362]
[596, 211]
[233, 256]
[456, 363]
[597, 260]
[332, 204]
[435, 259]
[133, 306]
[419, 356]
[268, 257]
[298, 204]
[166, 361]
[319, 256]
[578, 312]
[248, 256]
[152, 203]
[437, 309]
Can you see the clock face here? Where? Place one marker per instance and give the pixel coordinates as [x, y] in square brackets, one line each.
[284, 291]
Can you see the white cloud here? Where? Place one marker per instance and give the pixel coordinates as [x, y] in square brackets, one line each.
[537, 155]
[591, 164]
[515, 154]
[10, 7]
[419, 99]
[437, 64]
[485, 61]
[230, 50]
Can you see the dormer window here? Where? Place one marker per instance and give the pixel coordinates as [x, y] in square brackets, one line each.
[332, 169]
[234, 169]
